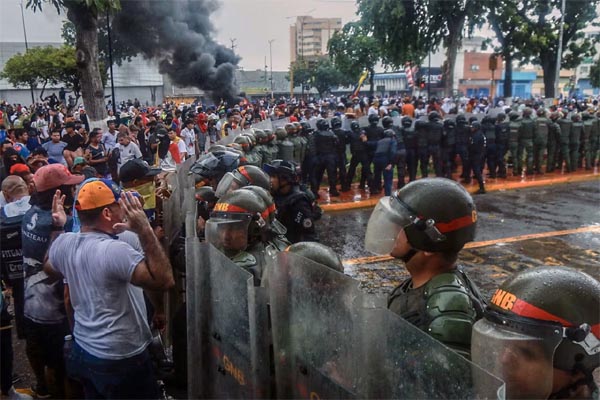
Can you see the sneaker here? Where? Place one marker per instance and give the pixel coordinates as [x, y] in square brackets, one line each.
[20, 394]
[39, 392]
[481, 191]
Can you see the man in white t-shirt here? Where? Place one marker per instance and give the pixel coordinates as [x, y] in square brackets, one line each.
[188, 135]
[127, 149]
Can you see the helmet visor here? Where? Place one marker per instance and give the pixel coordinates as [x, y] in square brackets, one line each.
[228, 234]
[227, 184]
[384, 225]
[521, 356]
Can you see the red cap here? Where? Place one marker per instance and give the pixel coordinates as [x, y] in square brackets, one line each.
[53, 176]
[19, 169]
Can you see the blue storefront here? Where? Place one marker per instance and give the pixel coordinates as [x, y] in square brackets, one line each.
[522, 83]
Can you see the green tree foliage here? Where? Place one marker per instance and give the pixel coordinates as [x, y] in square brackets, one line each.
[536, 25]
[327, 76]
[120, 50]
[354, 50]
[43, 66]
[595, 74]
[84, 15]
[407, 30]
[301, 73]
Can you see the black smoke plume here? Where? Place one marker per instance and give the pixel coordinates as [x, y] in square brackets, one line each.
[178, 34]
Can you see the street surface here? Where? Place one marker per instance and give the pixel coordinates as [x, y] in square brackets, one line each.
[517, 229]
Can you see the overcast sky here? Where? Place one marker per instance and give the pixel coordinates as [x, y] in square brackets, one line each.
[251, 22]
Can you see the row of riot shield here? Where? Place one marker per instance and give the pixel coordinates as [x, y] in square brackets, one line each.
[312, 333]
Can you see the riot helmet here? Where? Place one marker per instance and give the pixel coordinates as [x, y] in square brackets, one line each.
[500, 117]
[261, 136]
[428, 224]
[318, 253]
[527, 112]
[554, 115]
[206, 194]
[243, 176]
[513, 115]
[388, 133]
[215, 164]
[236, 222]
[449, 124]
[434, 116]
[273, 224]
[243, 141]
[322, 124]
[306, 128]
[281, 134]
[461, 119]
[296, 126]
[289, 128]
[538, 320]
[354, 126]
[270, 134]
[475, 126]
[288, 170]
[251, 136]
[387, 122]
[217, 147]
[373, 119]
[575, 117]
[336, 123]
[541, 112]
[473, 119]
[406, 122]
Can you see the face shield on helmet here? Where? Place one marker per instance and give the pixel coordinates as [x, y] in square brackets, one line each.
[228, 232]
[228, 183]
[518, 351]
[390, 216]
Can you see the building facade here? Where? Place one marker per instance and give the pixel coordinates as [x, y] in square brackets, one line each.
[309, 37]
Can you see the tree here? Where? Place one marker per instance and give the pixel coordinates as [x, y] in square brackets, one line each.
[121, 51]
[353, 50]
[325, 76]
[84, 15]
[407, 30]
[43, 66]
[595, 74]
[535, 25]
[300, 73]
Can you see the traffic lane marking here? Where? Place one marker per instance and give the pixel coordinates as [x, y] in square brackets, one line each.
[474, 245]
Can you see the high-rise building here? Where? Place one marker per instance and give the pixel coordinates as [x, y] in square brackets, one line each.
[309, 37]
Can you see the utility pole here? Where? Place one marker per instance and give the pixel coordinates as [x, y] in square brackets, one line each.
[559, 53]
[26, 49]
[233, 45]
[271, 64]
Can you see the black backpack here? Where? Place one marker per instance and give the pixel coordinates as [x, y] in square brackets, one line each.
[11, 264]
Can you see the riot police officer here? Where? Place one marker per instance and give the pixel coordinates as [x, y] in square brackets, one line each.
[211, 167]
[502, 141]
[566, 126]
[489, 131]
[294, 206]
[284, 145]
[513, 139]
[586, 146]
[553, 141]
[462, 144]
[343, 137]
[527, 135]
[400, 157]
[542, 339]
[448, 147]
[575, 140]
[326, 144]
[540, 145]
[427, 235]
[409, 136]
[477, 147]
[358, 148]
[384, 160]
[373, 133]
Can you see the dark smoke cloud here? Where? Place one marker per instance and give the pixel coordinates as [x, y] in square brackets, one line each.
[179, 34]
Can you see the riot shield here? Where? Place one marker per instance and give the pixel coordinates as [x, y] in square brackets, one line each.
[172, 216]
[312, 323]
[228, 341]
[280, 123]
[363, 121]
[333, 341]
[266, 124]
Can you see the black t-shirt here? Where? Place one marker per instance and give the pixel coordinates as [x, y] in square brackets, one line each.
[98, 153]
[73, 142]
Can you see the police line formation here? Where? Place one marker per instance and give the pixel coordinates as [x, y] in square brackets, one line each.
[267, 312]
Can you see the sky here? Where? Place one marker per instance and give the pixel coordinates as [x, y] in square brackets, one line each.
[252, 23]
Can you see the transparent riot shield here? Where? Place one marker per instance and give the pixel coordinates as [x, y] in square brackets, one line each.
[266, 124]
[280, 123]
[313, 331]
[333, 341]
[228, 341]
[172, 216]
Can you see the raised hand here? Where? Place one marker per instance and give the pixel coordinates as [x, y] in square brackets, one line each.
[135, 218]
[59, 216]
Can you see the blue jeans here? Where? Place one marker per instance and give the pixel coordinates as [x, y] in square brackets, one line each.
[130, 378]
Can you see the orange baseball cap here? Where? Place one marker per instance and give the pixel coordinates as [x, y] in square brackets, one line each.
[96, 194]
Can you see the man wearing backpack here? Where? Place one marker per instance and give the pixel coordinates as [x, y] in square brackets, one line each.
[295, 207]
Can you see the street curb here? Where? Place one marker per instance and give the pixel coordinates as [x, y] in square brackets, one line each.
[492, 185]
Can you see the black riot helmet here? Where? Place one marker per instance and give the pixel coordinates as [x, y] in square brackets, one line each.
[288, 170]
[215, 164]
[513, 115]
[373, 119]
[550, 315]
[387, 122]
[475, 126]
[336, 123]
[305, 127]
[429, 225]
[434, 116]
[406, 122]
[461, 120]
[322, 124]
[354, 126]
[449, 124]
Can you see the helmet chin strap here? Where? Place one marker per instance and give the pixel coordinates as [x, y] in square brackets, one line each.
[567, 392]
[408, 256]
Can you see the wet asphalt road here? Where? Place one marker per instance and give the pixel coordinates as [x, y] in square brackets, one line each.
[501, 215]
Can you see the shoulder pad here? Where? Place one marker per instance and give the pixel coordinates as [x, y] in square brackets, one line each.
[244, 260]
[451, 311]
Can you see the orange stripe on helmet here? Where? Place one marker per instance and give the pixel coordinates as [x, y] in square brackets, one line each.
[245, 174]
[525, 309]
[456, 224]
